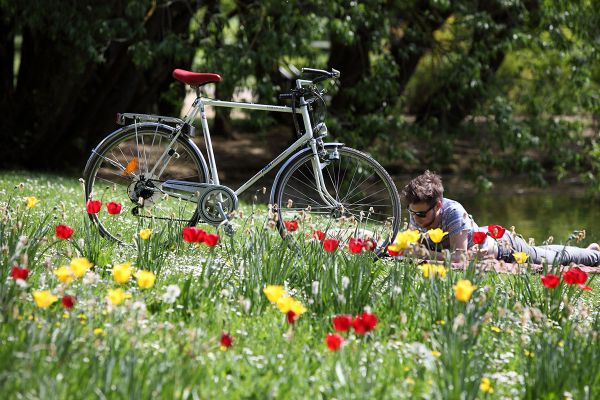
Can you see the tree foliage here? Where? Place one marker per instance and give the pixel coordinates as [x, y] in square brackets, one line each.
[509, 83]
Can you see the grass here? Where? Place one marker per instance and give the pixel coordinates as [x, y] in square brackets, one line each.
[513, 338]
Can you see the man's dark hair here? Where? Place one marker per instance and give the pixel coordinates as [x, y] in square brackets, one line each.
[426, 187]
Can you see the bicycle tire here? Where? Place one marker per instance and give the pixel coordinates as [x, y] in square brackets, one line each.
[358, 183]
[105, 173]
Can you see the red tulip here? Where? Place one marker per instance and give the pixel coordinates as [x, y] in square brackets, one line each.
[479, 237]
[63, 231]
[93, 206]
[291, 225]
[342, 323]
[68, 301]
[575, 276]
[584, 287]
[330, 245]
[226, 340]
[291, 317]
[211, 240]
[19, 273]
[550, 281]
[319, 235]
[391, 252]
[191, 234]
[114, 208]
[496, 231]
[334, 341]
[364, 323]
[355, 245]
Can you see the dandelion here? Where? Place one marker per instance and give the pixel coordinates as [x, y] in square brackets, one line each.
[171, 294]
[274, 293]
[117, 296]
[31, 201]
[63, 231]
[145, 279]
[113, 208]
[495, 329]
[463, 290]
[80, 266]
[122, 272]
[486, 385]
[226, 341]
[334, 341]
[93, 206]
[44, 299]
[436, 235]
[64, 274]
[436, 353]
[18, 273]
[145, 233]
[98, 331]
[520, 257]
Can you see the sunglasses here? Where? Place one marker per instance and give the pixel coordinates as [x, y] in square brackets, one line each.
[420, 214]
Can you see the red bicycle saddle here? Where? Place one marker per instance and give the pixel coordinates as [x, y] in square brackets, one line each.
[195, 78]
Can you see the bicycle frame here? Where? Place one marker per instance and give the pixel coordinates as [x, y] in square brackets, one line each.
[307, 138]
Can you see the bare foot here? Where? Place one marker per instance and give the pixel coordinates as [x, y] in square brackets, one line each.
[594, 246]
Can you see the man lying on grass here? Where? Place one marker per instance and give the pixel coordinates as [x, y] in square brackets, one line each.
[428, 210]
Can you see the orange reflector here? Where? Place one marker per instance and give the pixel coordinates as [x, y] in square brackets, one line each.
[130, 167]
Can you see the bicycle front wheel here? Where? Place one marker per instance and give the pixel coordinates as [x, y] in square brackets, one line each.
[150, 180]
[361, 200]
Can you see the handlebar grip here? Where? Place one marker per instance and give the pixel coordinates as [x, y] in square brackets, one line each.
[314, 71]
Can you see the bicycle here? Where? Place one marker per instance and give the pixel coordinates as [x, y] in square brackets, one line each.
[153, 165]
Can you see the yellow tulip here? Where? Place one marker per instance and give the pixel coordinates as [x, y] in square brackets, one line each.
[80, 266]
[406, 238]
[117, 296]
[64, 274]
[463, 290]
[436, 235]
[31, 201]
[122, 272]
[286, 304]
[274, 292]
[145, 233]
[433, 270]
[520, 257]
[145, 279]
[44, 299]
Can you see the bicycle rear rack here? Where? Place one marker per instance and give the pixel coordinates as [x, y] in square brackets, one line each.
[128, 118]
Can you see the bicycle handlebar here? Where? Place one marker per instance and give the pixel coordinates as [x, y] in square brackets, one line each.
[323, 74]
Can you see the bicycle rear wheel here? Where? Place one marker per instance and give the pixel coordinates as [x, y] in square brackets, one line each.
[126, 168]
[366, 202]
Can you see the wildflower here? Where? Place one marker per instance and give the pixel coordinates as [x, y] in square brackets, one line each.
[145, 233]
[575, 276]
[495, 329]
[520, 257]
[342, 323]
[318, 235]
[496, 231]
[435, 353]
[19, 273]
[274, 293]
[211, 239]
[334, 341]
[463, 290]
[113, 208]
[44, 299]
[171, 294]
[191, 234]
[550, 281]
[145, 279]
[291, 225]
[226, 341]
[68, 301]
[479, 237]
[80, 265]
[117, 296]
[93, 206]
[364, 323]
[122, 272]
[98, 331]
[355, 245]
[436, 235]
[63, 231]
[31, 201]
[330, 245]
[64, 274]
[486, 385]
